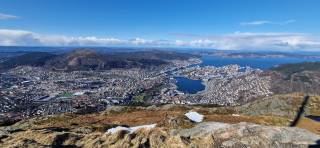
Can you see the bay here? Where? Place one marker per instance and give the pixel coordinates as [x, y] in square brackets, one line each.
[193, 86]
[261, 63]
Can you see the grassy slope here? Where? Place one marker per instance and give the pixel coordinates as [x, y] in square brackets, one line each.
[277, 110]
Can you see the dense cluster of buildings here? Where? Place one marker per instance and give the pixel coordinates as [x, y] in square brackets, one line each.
[31, 91]
[48, 92]
[227, 85]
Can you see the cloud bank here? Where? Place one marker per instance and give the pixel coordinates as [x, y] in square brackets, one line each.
[7, 16]
[233, 41]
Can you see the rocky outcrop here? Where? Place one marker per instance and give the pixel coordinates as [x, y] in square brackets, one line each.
[262, 123]
[207, 134]
[250, 135]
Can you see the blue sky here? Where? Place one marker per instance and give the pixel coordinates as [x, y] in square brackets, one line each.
[220, 24]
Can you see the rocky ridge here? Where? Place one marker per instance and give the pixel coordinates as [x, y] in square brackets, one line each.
[207, 134]
[241, 126]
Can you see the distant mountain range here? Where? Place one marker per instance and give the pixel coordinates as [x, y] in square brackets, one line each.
[30, 59]
[86, 59]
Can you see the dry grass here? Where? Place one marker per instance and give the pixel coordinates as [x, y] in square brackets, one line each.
[135, 116]
[263, 120]
[310, 125]
[314, 105]
[144, 116]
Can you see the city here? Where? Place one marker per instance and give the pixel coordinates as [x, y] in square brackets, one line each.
[31, 91]
[159, 74]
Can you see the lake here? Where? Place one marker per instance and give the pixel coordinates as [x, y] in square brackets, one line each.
[193, 86]
[188, 85]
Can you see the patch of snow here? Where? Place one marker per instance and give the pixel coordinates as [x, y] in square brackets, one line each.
[118, 128]
[130, 129]
[150, 126]
[236, 115]
[194, 116]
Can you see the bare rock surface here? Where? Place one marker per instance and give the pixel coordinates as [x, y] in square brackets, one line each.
[206, 134]
[251, 135]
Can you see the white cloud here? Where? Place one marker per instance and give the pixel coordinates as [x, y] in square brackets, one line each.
[264, 22]
[25, 38]
[256, 41]
[287, 22]
[139, 41]
[233, 41]
[265, 41]
[17, 37]
[7, 16]
[255, 23]
[60, 40]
